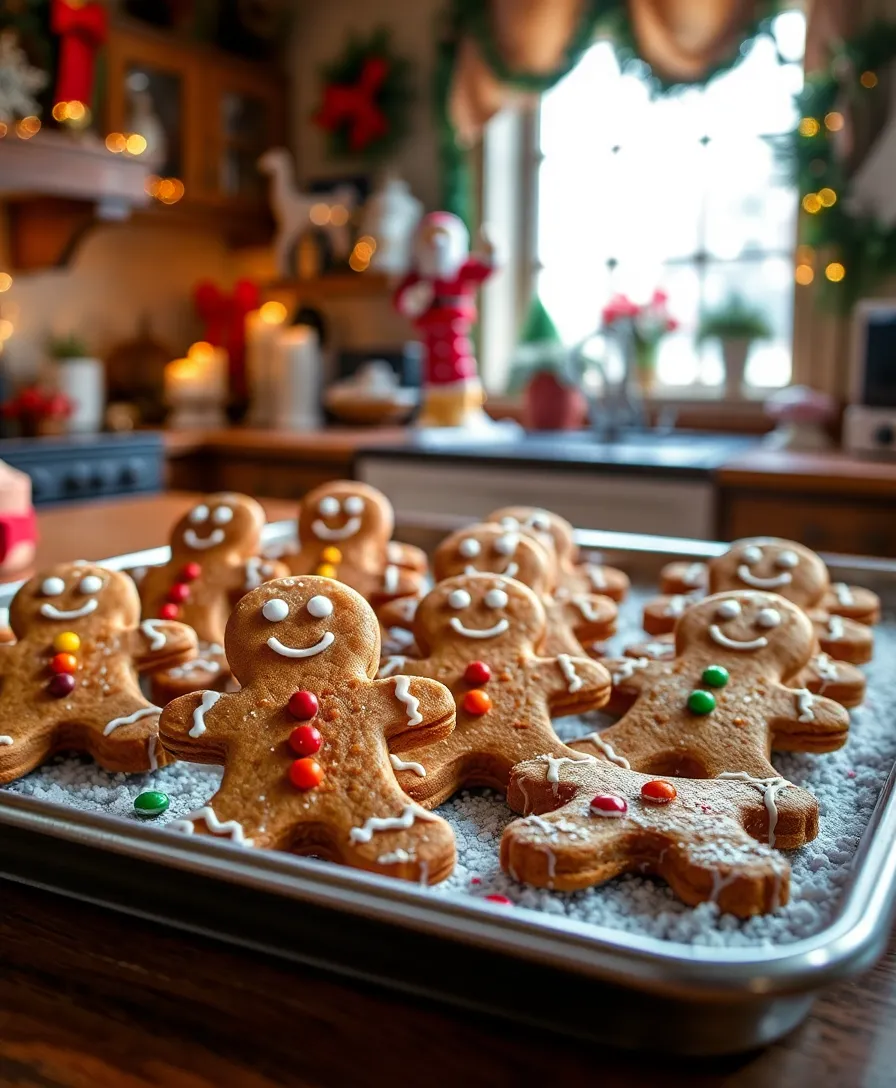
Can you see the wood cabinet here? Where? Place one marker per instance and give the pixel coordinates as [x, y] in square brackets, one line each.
[206, 117]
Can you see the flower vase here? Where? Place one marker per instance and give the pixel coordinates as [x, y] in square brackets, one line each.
[644, 355]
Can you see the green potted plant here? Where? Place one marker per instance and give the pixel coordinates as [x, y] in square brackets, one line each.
[81, 378]
[543, 371]
[736, 325]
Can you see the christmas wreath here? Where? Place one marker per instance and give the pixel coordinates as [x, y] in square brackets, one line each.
[848, 220]
[367, 96]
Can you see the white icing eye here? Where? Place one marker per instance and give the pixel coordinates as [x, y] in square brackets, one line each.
[353, 505]
[727, 610]
[222, 516]
[275, 610]
[319, 607]
[768, 617]
[496, 598]
[541, 522]
[52, 587]
[459, 598]
[506, 544]
[329, 506]
[751, 554]
[510, 524]
[199, 513]
[469, 548]
[787, 560]
[92, 583]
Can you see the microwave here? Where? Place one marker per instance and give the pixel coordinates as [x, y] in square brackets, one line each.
[869, 423]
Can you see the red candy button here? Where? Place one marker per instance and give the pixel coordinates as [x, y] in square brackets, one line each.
[477, 701]
[303, 705]
[178, 592]
[64, 663]
[305, 774]
[658, 792]
[168, 612]
[190, 572]
[477, 672]
[609, 804]
[502, 899]
[60, 685]
[305, 740]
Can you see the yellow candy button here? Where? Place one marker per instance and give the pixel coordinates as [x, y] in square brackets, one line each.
[66, 643]
[331, 555]
[326, 570]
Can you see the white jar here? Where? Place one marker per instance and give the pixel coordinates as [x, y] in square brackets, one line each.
[83, 381]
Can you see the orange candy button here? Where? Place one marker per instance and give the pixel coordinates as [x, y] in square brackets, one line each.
[305, 774]
[658, 792]
[64, 663]
[477, 701]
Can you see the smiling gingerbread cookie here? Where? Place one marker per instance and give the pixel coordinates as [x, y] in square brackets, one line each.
[69, 682]
[721, 704]
[574, 576]
[480, 635]
[571, 622]
[215, 559]
[309, 742]
[345, 531]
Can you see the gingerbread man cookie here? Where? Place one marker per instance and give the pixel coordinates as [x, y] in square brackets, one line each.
[481, 635]
[580, 618]
[69, 681]
[590, 821]
[573, 577]
[310, 741]
[721, 704]
[682, 578]
[345, 530]
[215, 559]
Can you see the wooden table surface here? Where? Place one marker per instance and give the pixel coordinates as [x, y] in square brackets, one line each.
[92, 998]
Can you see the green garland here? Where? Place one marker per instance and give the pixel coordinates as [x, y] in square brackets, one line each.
[857, 248]
[609, 18]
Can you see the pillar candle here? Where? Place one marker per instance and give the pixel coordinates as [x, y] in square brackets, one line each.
[296, 379]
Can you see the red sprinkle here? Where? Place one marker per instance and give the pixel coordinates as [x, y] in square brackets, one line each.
[609, 804]
[179, 592]
[305, 774]
[475, 880]
[190, 572]
[502, 899]
[477, 672]
[305, 740]
[303, 705]
[169, 612]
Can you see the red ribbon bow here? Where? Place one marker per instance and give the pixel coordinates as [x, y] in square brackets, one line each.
[224, 316]
[355, 105]
[83, 29]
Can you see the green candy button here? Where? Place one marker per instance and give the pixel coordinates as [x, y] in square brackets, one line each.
[151, 803]
[701, 702]
[715, 676]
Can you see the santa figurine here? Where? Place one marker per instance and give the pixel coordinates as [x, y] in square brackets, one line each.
[439, 296]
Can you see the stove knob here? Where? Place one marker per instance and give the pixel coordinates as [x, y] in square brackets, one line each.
[885, 435]
[77, 478]
[41, 483]
[131, 472]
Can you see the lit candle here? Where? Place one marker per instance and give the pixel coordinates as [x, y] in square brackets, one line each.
[263, 328]
[196, 387]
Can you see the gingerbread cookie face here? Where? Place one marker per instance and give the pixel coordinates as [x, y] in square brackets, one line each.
[310, 741]
[480, 634]
[772, 565]
[552, 531]
[69, 682]
[217, 526]
[591, 821]
[491, 549]
[721, 704]
[342, 513]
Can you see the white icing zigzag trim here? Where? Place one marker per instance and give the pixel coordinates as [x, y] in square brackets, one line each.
[403, 694]
[231, 828]
[409, 814]
[209, 698]
[131, 718]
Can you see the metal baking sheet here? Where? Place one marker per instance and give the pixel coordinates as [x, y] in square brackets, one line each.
[617, 986]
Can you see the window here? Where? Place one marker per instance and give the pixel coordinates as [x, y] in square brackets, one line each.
[684, 192]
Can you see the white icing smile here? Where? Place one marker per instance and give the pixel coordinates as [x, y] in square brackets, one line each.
[324, 532]
[288, 651]
[200, 543]
[750, 579]
[511, 570]
[486, 632]
[50, 611]
[719, 636]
